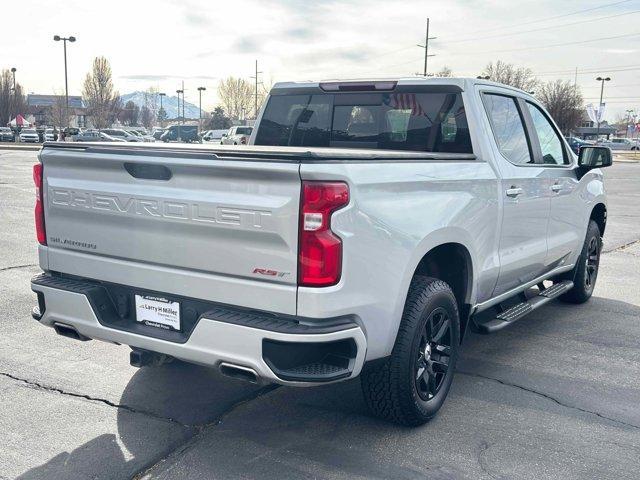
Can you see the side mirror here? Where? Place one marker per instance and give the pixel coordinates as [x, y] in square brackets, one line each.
[594, 157]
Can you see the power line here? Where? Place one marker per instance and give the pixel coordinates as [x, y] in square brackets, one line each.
[546, 19]
[549, 46]
[473, 39]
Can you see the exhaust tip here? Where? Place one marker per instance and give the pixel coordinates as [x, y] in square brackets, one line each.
[239, 372]
[69, 332]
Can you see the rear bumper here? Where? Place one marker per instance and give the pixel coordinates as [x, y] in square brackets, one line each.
[278, 349]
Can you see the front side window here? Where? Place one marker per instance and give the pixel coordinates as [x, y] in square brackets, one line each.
[426, 122]
[508, 128]
[550, 143]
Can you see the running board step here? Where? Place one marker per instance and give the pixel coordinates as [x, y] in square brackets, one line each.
[520, 310]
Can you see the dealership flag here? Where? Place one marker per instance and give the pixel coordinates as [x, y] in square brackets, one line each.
[596, 114]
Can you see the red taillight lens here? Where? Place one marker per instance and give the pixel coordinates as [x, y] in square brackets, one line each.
[243, 140]
[39, 210]
[320, 250]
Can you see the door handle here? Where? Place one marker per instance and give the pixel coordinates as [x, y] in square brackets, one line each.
[514, 192]
[556, 187]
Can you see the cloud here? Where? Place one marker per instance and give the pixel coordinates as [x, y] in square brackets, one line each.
[301, 33]
[162, 78]
[248, 45]
[194, 20]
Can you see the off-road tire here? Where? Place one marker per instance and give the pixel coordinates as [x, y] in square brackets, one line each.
[585, 273]
[390, 387]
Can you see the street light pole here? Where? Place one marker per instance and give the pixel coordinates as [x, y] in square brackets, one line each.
[200, 90]
[179, 130]
[15, 100]
[626, 131]
[601, 80]
[161, 109]
[71, 39]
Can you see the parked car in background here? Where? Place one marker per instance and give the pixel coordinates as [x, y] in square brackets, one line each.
[157, 133]
[142, 134]
[6, 135]
[122, 134]
[29, 135]
[50, 135]
[70, 132]
[213, 135]
[96, 136]
[576, 143]
[182, 133]
[620, 144]
[237, 136]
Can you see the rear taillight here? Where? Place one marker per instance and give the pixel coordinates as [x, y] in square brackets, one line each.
[39, 210]
[320, 250]
[243, 140]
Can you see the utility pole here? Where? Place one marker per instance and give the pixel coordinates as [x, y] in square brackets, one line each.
[256, 94]
[575, 79]
[200, 90]
[182, 102]
[426, 49]
[598, 113]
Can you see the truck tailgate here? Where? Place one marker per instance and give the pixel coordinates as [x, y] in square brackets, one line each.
[186, 216]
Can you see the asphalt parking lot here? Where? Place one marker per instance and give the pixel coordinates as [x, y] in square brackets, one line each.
[555, 396]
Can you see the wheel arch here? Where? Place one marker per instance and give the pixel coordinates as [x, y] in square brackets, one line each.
[599, 215]
[452, 262]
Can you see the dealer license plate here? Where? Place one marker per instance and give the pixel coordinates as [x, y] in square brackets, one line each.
[158, 312]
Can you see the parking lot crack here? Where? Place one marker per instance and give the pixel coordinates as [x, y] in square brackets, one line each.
[181, 449]
[551, 398]
[15, 267]
[104, 401]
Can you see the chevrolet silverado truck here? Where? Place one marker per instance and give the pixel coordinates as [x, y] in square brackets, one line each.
[365, 228]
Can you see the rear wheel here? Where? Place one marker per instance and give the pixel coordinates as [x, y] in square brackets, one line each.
[585, 273]
[411, 385]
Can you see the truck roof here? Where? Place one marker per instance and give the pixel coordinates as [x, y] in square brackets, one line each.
[464, 83]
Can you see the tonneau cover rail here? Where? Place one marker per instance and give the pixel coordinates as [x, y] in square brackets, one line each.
[259, 153]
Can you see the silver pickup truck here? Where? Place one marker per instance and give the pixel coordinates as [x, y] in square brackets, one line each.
[365, 228]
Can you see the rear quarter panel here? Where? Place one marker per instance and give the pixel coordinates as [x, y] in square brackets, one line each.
[398, 211]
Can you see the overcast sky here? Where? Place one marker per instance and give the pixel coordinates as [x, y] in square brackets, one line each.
[162, 42]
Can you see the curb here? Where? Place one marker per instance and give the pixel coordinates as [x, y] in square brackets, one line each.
[21, 148]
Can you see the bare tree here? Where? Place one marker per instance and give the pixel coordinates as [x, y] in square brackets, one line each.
[98, 93]
[236, 96]
[445, 71]
[130, 114]
[58, 112]
[147, 118]
[509, 74]
[11, 102]
[151, 102]
[564, 102]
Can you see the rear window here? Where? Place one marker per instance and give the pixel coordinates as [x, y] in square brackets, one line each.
[426, 122]
[243, 130]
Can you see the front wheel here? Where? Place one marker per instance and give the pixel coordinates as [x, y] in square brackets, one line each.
[585, 273]
[411, 385]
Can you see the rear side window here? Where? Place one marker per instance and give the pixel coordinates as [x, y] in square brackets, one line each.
[550, 143]
[427, 122]
[508, 128]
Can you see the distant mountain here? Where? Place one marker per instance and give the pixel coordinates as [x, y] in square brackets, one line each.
[170, 104]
